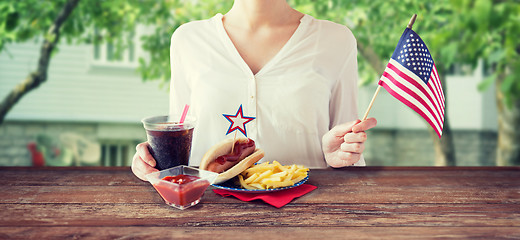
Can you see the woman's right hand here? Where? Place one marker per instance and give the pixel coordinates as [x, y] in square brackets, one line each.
[143, 162]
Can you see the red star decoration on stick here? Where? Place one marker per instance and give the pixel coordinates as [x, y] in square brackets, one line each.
[238, 121]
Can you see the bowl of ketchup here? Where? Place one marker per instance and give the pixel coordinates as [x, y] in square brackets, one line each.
[182, 186]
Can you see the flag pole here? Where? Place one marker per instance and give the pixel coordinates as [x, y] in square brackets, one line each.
[410, 24]
[412, 21]
[372, 102]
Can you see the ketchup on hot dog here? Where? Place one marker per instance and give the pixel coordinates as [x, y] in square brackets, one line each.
[240, 151]
[228, 163]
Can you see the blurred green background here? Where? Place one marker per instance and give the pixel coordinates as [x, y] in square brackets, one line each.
[77, 97]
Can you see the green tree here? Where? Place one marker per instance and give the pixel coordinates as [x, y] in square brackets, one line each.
[96, 22]
[15, 27]
[497, 25]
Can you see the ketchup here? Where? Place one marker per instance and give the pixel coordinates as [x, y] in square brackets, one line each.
[185, 191]
[237, 152]
[181, 179]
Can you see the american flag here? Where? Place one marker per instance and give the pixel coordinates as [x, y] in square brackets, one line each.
[412, 78]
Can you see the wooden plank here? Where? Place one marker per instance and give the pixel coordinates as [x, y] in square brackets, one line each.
[387, 176]
[358, 185]
[65, 176]
[323, 194]
[78, 194]
[172, 232]
[258, 215]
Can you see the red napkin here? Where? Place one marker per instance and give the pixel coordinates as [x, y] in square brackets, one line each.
[277, 198]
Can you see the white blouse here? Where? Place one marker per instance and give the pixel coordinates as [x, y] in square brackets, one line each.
[309, 86]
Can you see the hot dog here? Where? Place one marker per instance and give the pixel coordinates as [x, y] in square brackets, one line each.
[220, 159]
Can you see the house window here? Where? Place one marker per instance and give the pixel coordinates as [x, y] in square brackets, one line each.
[109, 54]
[117, 152]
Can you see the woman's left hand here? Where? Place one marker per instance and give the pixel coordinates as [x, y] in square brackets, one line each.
[344, 143]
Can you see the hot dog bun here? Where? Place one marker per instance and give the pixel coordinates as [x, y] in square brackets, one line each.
[223, 148]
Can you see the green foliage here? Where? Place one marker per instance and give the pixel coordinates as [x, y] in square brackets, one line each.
[166, 17]
[456, 31]
[495, 26]
[378, 24]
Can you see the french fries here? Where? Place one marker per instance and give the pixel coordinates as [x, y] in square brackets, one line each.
[271, 175]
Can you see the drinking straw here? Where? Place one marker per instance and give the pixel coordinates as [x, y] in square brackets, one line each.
[184, 113]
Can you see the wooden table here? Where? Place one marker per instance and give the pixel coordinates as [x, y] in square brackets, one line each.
[359, 203]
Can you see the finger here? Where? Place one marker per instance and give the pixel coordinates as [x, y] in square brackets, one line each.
[144, 153]
[354, 137]
[342, 129]
[364, 125]
[349, 158]
[137, 167]
[141, 168]
[353, 147]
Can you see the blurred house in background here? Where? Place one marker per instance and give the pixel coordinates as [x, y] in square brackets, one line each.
[97, 98]
[91, 97]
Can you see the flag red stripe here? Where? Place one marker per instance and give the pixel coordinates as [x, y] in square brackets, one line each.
[438, 83]
[411, 93]
[410, 105]
[416, 84]
[433, 89]
[438, 86]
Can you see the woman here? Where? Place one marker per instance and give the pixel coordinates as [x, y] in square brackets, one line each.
[295, 74]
